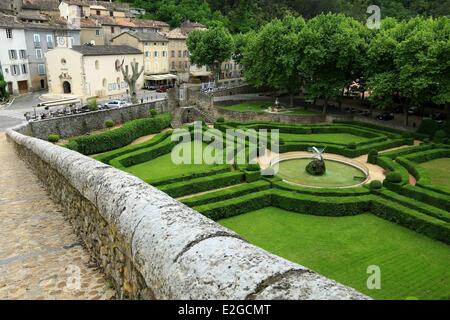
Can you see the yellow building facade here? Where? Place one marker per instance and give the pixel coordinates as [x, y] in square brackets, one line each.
[155, 48]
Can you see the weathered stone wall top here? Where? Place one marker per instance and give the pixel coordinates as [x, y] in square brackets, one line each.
[180, 253]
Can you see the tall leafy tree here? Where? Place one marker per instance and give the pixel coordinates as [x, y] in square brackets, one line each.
[211, 47]
[381, 70]
[441, 53]
[3, 84]
[272, 56]
[334, 48]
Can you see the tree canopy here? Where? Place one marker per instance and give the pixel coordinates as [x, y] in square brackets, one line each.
[272, 56]
[245, 15]
[210, 47]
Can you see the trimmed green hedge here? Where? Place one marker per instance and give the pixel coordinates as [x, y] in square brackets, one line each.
[405, 151]
[323, 206]
[225, 194]
[252, 176]
[412, 219]
[117, 138]
[236, 206]
[375, 127]
[344, 192]
[411, 163]
[108, 156]
[416, 205]
[216, 169]
[392, 166]
[183, 188]
[143, 155]
[421, 194]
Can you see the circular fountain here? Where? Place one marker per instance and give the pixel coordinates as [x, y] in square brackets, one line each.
[335, 173]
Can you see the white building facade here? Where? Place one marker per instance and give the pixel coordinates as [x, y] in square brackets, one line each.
[14, 63]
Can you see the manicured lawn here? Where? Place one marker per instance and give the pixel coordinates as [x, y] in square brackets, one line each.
[342, 248]
[163, 167]
[257, 106]
[260, 106]
[439, 171]
[337, 138]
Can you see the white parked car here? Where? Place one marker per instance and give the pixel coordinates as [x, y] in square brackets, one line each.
[116, 104]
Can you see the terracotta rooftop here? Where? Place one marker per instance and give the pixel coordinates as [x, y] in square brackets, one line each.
[146, 36]
[46, 5]
[176, 34]
[50, 23]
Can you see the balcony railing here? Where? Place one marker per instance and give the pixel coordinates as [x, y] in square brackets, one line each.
[37, 44]
[50, 45]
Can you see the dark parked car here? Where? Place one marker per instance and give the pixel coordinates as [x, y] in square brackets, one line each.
[397, 109]
[385, 116]
[412, 111]
[364, 113]
[151, 87]
[438, 116]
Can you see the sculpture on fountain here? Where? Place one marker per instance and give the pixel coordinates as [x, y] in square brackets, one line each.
[317, 166]
[276, 108]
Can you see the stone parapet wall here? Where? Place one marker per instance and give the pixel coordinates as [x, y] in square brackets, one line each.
[152, 246]
[231, 115]
[79, 124]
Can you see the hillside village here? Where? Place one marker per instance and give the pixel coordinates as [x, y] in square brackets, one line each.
[42, 37]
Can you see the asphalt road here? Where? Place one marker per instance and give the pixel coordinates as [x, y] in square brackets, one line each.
[13, 114]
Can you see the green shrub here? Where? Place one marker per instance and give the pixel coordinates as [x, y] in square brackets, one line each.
[153, 112]
[394, 177]
[375, 185]
[253, 167]
[439, 136]
[352, 146]
[428, 127]
[53, 137]
[373, 156]
[120, 137]
[92, 104]
[109, 123]
[220, 120]
[252, 176]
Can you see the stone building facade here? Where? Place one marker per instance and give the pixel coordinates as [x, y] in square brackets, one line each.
[90, 71]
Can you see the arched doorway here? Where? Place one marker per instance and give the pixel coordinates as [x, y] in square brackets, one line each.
[66, 87]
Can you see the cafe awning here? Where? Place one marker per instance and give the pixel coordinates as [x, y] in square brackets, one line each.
[157, 77]
[200, 73]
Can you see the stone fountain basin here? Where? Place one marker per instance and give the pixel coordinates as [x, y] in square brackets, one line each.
[340, 173]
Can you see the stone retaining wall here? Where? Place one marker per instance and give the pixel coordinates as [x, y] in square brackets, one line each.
[152, 246]
[231, 115]
[79, 124]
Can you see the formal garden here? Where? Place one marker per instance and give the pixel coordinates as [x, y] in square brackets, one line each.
[337, 224]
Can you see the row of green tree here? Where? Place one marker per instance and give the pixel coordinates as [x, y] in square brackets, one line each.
[246, 15]
[326, 54]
